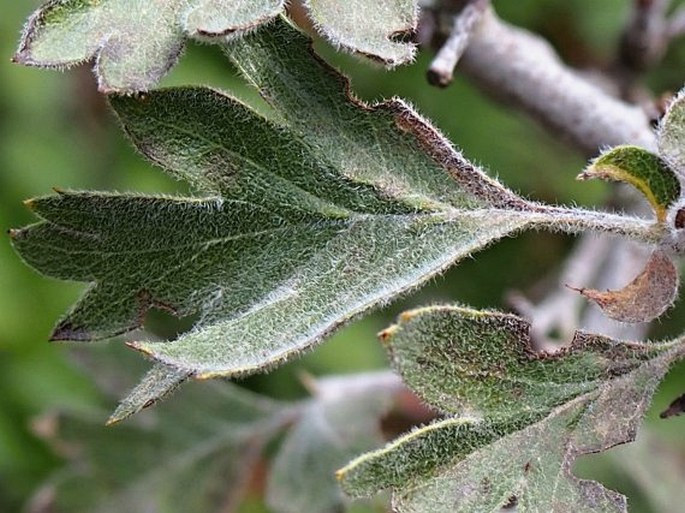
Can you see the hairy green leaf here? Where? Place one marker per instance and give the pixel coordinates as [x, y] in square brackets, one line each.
[671, 135]
[642, 169]
[158, 382]
[302, 223]
[135, 42]
[369, 27]
[521, 416]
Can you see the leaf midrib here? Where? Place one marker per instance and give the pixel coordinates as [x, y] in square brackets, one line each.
[346, 223]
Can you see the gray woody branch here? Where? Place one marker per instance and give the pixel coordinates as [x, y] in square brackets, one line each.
[522, 69]
[463, 24]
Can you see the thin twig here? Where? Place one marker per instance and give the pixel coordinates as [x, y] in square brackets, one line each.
[331, 387]
[645, 39]
[441, 70]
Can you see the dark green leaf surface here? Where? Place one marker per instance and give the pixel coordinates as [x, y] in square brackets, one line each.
[135, 42]
[521, 417]
[302, 223]
[642, 169]
[305, 223]
[480, 363]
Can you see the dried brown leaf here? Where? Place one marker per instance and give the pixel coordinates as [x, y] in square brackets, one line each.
[645, 298]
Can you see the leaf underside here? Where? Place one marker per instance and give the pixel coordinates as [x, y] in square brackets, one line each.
[300, 223]
[517, 419]
[135, 42]
[339, 207]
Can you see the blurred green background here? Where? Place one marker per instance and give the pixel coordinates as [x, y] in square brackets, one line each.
[56, 131]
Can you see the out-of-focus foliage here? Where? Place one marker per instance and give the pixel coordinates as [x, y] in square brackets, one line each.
[212, 450]
[55, 131]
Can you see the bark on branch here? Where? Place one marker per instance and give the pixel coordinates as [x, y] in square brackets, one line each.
[523, 70]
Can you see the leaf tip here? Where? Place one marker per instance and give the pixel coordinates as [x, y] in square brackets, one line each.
[674, 409]
[404, 317]
[386, 334]
[67, 331]
[141, 347]
[123, 412]
[580, 290]
[112, 421]
[21, 57]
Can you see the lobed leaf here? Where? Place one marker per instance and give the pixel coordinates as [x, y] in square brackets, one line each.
[522, 417]
[337, 203]
[302, 223]
[135, 42]
[482, 364]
